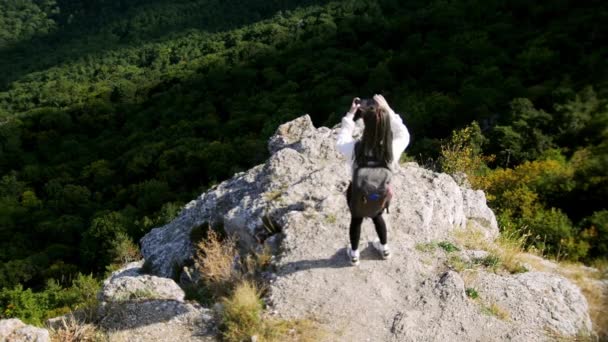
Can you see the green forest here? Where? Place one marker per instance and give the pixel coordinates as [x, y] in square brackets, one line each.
[113, 114]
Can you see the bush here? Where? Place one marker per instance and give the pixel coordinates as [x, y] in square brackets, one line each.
[26, 305]
[35, 307]
[448, 246]
[519, 196]
[471, 293]
[124, 250]
[595, 233]
[555, 234]
[462, 153]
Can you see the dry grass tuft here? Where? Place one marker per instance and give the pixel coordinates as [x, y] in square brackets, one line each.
[301, 330]
[242, 319]
[497, 311]
[507, 249]
[73, 330]
[242, 313]
[215, 260]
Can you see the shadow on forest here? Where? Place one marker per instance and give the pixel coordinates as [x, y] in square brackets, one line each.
[90, 35]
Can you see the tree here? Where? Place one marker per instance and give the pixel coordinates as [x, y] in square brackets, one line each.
[526, 138]
[97, 242]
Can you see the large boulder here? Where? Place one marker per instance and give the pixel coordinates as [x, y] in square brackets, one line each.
[130, 283]
[13, 330]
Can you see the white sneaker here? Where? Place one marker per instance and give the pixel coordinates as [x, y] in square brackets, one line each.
[384, 251]
[353, 256]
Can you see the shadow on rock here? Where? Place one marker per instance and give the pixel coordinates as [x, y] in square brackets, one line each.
[160, 317]
[337, 260]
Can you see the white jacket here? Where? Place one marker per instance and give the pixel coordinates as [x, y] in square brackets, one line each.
[346, 143]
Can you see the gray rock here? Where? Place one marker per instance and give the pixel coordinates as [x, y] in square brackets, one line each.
[13, 330]
[128, 283]
[472, 256]
[538, 300]
[451, 288]
[290, 133]
[461, 179]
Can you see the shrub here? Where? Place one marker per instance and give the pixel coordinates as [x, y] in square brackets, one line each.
[462, 153]
[519, 195]
[448, 246]
[595, 232]
[35, 307]
[471, 293]
[124, 250]
[26, 305]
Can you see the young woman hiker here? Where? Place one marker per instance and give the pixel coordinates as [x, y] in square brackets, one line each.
[372, 158]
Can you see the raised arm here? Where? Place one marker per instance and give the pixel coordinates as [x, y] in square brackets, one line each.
[345, 142]
[401, 136]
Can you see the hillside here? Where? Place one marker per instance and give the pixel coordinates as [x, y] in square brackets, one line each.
[114, 114]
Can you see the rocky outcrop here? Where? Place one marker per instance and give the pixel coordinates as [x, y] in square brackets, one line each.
[13, 330]
[305, 174]
[296, 199]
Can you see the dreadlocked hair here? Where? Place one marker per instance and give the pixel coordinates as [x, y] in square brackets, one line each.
[377, 139]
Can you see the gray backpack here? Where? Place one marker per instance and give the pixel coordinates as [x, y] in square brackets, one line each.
[370, 191]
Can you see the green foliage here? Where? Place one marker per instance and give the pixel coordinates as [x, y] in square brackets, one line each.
[22, 20]
[526, 138]
[124, 250]
[448, 246]
[595, 233]
[492, 261]
[472, 293]
[462, 153]
[521, 196]
[28, 306]
[36, 307]
[100, 240]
